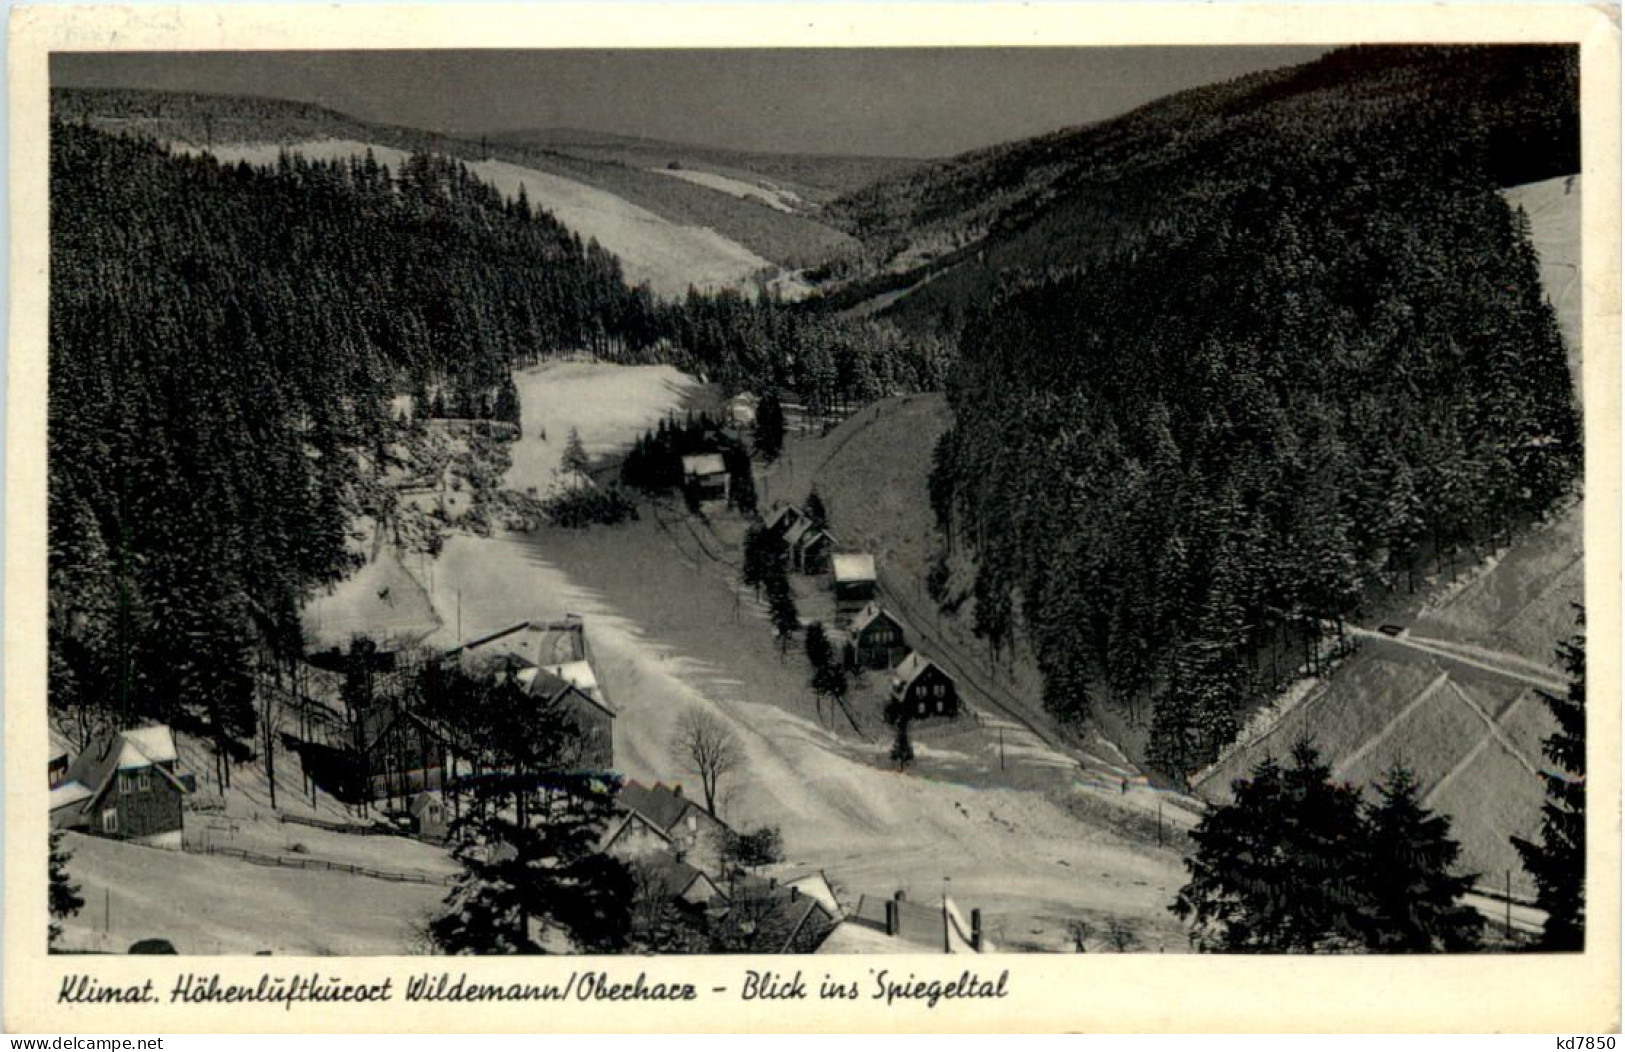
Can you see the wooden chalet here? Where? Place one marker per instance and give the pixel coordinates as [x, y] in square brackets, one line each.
[854, 577]
[127, 785]
[705, 476]
[782, 518]
[877, 639]
[921, 690]
[765, 916]
[808, 547]
[693, 834]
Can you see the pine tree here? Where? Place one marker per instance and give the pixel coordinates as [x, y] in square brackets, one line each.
[769, 426]
[781, 603]
[1558, 862]
[817, 513]
[1276, 869]
[575, 457]
[523, 880]
[902, 750]
[818, 648]
[65, 900]
[1412, 900]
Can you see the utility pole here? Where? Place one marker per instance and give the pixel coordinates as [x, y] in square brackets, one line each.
[1159, 821]
[1001, 748]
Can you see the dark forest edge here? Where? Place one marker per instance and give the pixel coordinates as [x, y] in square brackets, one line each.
[1312, 377]
[226, 344]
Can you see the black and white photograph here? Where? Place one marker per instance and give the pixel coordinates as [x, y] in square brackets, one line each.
[1116, 500]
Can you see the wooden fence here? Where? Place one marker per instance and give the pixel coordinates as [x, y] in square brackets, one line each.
[295, 862]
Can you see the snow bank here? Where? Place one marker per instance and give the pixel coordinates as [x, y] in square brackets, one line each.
[771, 196]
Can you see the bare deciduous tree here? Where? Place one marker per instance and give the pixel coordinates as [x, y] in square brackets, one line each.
[705, 745]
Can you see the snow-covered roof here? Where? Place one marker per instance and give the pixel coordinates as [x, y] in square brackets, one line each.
[704, 464]
[782, 512]
[909, 669]
[869, 613]
[145, 746]
[578, 674]
[816, 886]
[853, 566]
[69, 793]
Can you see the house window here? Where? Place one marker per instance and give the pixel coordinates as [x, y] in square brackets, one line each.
[922, 708]
[110, 820]
[142, 783]
[124, 783]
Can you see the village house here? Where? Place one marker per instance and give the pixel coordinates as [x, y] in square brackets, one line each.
[593, 719]
[765, 916]
[695, 835]
[921, 690]
[877, 639]
[428, 814]
[854, 574]
[705, 477]
[782, 518]
[663, 875]
[809, 547]
[126, 785]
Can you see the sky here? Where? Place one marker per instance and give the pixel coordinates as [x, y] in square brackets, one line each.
[920, 102]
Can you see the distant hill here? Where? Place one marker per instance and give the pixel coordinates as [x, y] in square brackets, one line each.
[790, 239]
[1085, 193]
[815, 177]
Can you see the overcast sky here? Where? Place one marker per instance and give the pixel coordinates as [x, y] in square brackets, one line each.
[900, 102]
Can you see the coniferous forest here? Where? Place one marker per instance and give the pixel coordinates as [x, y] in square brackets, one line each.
[225, 345]
[1183, 465]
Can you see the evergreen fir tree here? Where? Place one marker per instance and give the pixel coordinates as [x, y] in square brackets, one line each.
[817, 513]
[781, 603]
[65, 900]
[1276, 869]
[523, 880]
[1558, 862]
[1412, 899]
[818, 648]
[902, 750]
[574, 457]
[769, 435]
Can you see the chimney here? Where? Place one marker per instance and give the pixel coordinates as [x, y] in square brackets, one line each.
[891, 916]
[795, 894]
[976, 930]
[899, 897]
[677, 789]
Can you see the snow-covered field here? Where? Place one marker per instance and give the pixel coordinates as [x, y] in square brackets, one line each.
[771, 196]
[669, 256]
[211, 904]
[670, 633]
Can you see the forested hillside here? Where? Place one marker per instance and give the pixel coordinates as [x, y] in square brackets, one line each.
[204, 121]
[1090, 193]
[225, 344]
[1325, 365]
